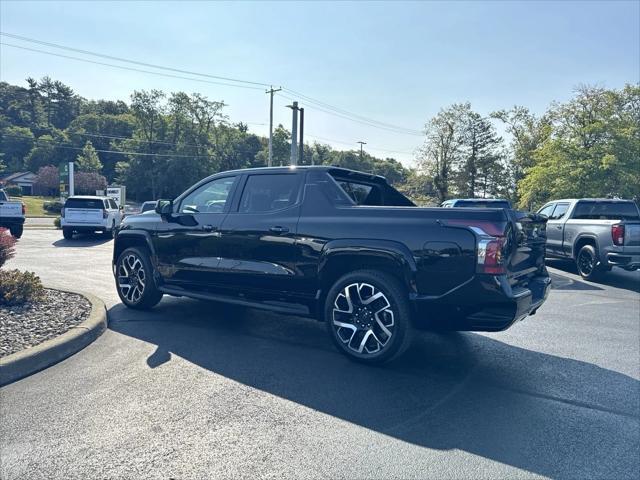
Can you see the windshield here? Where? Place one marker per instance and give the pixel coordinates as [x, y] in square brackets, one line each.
[84, 203]
[606, 211]
[483, 204]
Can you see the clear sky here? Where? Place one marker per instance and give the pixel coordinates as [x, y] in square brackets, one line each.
[397, 63]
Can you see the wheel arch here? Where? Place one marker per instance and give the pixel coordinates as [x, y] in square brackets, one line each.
[131, 238]
[340, 257]
[581, 241]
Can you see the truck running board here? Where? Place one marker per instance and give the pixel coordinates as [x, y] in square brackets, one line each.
[280, 307]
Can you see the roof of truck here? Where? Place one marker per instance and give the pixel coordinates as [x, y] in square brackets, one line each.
[288, 168]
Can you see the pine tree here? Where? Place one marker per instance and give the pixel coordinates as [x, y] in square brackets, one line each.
[88, 160]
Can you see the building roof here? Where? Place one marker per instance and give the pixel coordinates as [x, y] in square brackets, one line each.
[15, 176]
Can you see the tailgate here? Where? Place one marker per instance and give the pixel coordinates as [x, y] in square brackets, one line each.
[10, 209]
[632, 234]
[529, 237]
[83, 215]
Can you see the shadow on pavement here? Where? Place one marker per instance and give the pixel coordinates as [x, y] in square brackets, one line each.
[617, 277]
[545, 414]
[82, 240]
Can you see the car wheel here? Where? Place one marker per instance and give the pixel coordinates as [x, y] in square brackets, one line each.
[134, 280]
[16, 231]
[67, 233]
[587, 263]
[368, 316]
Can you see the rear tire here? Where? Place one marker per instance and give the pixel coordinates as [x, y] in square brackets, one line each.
[67, 233]
[367, 313]
[110, 233]
[134, 280]
[16, 231]
[587, 263]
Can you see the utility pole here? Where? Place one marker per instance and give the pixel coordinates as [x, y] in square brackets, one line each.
[271, 91]
[294, 132]
[301, 143]
[361, 144]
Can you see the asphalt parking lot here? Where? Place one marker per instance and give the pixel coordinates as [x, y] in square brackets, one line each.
[200, 390]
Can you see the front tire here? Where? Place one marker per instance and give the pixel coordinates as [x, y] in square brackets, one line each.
[16, 230]
[134, 280]
[67, 233]
[587, 263]
[368, 316]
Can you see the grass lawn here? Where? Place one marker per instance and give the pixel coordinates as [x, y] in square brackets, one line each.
[34, 205]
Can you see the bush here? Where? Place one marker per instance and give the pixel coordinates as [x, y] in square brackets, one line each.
[13, 191]
[57, 223]
[7, 246]
[18, 287]
[53, 207]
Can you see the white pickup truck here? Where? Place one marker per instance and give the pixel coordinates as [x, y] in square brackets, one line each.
[90, 214]
[11, 215]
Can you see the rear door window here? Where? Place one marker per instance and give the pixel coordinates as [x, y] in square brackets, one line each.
[606, 211]
[3, 197]
[268, 193]
[112, 204]
[90, 203]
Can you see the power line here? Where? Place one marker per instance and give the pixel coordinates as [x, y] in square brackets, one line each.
[319, 105]
[128, 68]
[351, 114]
[351, 143]
[126, 60]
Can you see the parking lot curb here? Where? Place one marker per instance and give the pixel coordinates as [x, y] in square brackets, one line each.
[31, 360]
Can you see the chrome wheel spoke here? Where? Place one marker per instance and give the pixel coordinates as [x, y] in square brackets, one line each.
[363, 318]
[131, 278]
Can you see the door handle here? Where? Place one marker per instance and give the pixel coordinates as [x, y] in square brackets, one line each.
[209, 228]
[559, 227]
[278, 229]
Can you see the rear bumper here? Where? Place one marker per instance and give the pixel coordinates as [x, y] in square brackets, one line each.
[625, 260]
[485, 303]
[11, 221]
[85, 228]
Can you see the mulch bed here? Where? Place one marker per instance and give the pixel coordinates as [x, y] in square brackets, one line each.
[27, 325]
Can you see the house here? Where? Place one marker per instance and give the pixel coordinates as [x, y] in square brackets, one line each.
[24, 180]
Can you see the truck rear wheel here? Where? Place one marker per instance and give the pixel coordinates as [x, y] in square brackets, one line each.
[368, 316]
[587, 263]
[67, 233]
[16, 230]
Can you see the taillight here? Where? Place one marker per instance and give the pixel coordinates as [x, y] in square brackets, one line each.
[492, 244]
[617, 234]
[105, 214]
[24, 209]
[491, 255]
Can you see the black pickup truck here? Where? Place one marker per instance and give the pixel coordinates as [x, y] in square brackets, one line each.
[341, 246]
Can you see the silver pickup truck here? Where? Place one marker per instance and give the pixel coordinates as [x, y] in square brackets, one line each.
[598, 234]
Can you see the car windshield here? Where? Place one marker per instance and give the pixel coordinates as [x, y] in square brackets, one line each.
[91, 203]
[606, 211]
[146, 206]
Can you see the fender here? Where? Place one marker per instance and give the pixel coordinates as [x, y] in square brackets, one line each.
[123, 235]
[581, 236]
[396, 252]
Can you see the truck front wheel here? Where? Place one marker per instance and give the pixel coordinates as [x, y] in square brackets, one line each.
[368, 316]
[16, 231]
[587, 263]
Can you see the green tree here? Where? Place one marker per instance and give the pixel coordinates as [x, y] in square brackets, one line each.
[88, 160]
[16, 142]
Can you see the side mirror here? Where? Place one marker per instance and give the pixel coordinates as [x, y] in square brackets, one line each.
[164, 207]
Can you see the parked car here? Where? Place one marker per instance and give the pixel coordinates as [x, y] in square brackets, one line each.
[12, 214]
[596, 233]
[148, 206]
[338, 245]
[476, 203]
[130, 209]
[90, 214]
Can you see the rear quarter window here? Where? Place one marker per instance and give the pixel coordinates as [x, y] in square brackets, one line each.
[606, 211]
